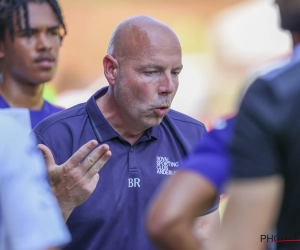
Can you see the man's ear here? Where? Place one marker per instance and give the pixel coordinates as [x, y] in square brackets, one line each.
[1, 50]
[111, 67]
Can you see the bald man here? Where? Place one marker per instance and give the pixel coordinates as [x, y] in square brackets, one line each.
[147, 139]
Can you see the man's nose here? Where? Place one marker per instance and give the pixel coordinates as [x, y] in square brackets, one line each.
[44, 42]
[167, 84]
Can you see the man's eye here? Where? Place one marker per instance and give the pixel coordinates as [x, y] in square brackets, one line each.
[54, 32]
[149, 73]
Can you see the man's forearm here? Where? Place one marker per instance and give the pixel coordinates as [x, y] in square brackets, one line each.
[177, 238]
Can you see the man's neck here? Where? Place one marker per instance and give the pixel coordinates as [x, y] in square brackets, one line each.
[23, 95]
[112, 114]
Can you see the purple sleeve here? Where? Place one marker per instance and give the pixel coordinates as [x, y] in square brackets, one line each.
[210, 157]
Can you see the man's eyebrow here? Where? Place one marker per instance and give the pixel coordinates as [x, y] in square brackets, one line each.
[155, 66]
[178, 68]
[150, 65]
[54, 27]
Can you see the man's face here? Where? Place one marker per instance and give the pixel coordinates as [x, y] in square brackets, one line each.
[148, 79]
[32, 60]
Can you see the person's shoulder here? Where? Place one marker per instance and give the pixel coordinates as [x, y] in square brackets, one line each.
[53, 107]
[221, 130]
[284, 80]
[178, 117]
[223, 123]
[277, 71]
[186, 130]
[68, 116]
[277, 85]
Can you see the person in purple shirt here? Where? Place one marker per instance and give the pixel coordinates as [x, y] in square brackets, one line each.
[147, 139]
[194, 188]
[31, 33]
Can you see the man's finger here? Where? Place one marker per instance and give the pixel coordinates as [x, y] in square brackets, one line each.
[100, 156]
[81, 153]
[101, 161]
[49, 159]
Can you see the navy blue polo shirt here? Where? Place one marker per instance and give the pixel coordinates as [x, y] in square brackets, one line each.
[211, 156]
[36, 115]
[113, 216]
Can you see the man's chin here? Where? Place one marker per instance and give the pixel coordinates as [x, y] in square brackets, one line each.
[156, 122]
[43, 78]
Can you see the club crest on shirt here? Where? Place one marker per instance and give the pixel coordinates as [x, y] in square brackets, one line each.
[165, 166]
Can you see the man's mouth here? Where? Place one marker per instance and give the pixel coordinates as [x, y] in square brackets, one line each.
[161, 111]
[45, 61]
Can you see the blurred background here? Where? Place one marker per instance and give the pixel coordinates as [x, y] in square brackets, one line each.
[223, 42]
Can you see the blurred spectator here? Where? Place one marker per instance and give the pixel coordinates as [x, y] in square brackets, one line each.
[30, 36]
[30, 218]
[265, 150]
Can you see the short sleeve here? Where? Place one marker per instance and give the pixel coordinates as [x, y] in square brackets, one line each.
[210, 158]
[254, 145]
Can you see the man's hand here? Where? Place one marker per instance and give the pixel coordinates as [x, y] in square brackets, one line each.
[76, 179]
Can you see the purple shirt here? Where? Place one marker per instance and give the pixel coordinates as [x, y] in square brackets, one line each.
[36, 115]
[113, 216]
[211, 158]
